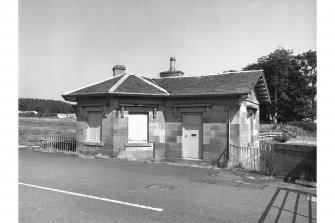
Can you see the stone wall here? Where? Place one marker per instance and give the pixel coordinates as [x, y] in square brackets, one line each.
[244, 120]
[156, 127]
[106, 145]
[295, 160]
[214, 134]
[165, 131]
[291, 161]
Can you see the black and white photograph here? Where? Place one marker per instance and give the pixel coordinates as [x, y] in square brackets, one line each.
[167, 111]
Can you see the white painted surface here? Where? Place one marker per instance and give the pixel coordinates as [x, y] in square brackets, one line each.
[192, 136]
[92, 197]
[94, 126]
[311, 198]
[159, 132]
[138, 128]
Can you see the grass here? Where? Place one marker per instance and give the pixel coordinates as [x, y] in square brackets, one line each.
[32, 130]
[296, 126]
[308, 126]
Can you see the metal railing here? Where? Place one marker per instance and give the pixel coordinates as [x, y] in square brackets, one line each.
[61, 143]
[246, 157]
[269, 135]
[250, 157]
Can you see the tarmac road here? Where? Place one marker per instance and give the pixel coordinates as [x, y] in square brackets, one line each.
[59, 188]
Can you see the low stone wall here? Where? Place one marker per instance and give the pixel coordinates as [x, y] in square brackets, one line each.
[291, 161]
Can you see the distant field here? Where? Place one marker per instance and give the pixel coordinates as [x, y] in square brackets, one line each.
[32, 130]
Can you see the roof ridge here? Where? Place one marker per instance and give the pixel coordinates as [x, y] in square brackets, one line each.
[159, 85]
[206, 75]
[69, 92]
[240, 71]
[152, 84]
[112, 89]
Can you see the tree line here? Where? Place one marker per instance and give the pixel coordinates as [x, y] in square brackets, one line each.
[292, 82]
[45, 106]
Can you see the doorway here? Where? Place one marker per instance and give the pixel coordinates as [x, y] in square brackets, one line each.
[192, 135]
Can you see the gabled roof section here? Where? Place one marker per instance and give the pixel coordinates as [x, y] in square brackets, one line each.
[125, 84]
[100, 87]
[136, 85]
[233, 83]
[262, 91]
[219, 84]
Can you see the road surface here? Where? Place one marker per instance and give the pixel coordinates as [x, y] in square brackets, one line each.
[59, 188]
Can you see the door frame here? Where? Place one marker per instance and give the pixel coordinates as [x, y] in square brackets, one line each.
[200, 135]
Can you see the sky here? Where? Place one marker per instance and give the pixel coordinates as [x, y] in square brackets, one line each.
[68, 44]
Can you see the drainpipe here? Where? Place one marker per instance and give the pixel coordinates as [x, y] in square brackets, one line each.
[242, 98]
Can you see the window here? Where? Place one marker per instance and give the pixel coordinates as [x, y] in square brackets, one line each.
[251, 123]
[94, 126]
[137, 128]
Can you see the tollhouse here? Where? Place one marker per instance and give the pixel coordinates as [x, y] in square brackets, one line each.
[172, 116]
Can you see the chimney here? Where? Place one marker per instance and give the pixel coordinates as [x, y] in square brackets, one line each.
[119, 70]
[172, 72]
[172, 63]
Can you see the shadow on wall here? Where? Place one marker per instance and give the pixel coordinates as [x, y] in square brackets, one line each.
[289, 205]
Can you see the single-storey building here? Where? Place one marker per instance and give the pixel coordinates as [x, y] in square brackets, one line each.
[172, 116]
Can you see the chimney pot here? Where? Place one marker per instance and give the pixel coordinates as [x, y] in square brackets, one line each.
[172, 72]
[172, 63]
[119, 70]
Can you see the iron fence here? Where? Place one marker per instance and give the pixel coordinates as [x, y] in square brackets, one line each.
[246, 157]
[257, 158]
[61, 143]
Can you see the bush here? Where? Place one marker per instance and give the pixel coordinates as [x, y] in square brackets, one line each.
[309, 126]
[268, 127]
[283, 138]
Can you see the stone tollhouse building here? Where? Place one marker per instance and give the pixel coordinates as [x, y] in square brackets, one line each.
[173, 116]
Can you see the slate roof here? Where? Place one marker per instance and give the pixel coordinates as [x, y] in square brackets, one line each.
[232, 83]
[101, 87]
[136, 85]
[122, 84]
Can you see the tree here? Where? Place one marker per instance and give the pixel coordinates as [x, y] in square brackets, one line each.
[292, 85]
[45, 106]
[308, 66]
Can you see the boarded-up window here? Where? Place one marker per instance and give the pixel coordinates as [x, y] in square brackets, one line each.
[138, 128]
[251, 123]
[94, 126]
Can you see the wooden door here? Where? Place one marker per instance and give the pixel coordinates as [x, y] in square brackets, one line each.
[192, 136]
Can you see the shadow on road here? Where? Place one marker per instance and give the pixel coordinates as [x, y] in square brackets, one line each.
[300, 205]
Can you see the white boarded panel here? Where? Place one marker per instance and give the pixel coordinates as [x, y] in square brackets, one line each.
[138, 128]
[94, 125]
